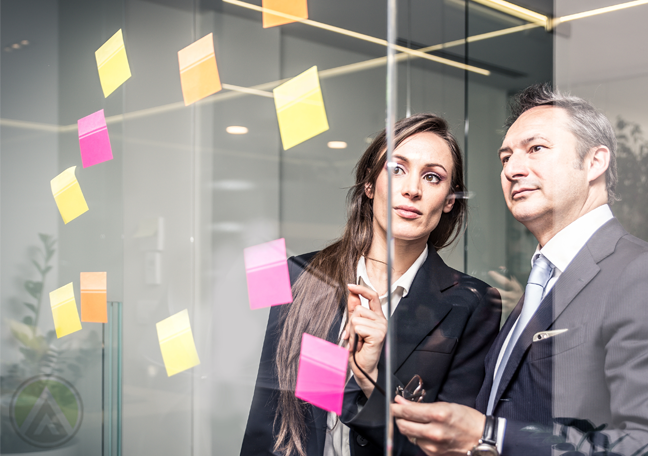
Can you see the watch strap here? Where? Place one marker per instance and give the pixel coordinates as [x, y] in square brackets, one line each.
[490, 431]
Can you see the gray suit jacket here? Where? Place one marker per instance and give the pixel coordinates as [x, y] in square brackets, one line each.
[589, 384]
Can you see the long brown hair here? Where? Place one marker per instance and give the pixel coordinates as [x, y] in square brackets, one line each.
[319, 295]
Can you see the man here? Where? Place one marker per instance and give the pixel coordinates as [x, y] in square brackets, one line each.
[569, 370]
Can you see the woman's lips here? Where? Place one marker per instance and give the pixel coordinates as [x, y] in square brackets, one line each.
[408, 212]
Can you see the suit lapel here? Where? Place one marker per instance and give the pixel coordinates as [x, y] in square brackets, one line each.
[490, 361]
[583, 268]
[423, 308]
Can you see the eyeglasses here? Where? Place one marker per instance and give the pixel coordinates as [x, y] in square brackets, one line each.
[413, 391]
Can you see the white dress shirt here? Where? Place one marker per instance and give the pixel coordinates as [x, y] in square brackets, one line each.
[337, 434]
[563, 248]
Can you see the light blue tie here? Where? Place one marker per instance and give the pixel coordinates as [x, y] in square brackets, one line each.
[540, 274]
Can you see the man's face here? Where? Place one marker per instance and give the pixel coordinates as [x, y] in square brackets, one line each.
[543, 183]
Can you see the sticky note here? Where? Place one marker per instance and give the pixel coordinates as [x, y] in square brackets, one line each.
[64, 311]
[266, 269]
[112, 63]
[68, 196]
[177, 343]
[300, 108]
[94, 304]
[198, 72]
[93, 139]
[322, 373]
[296, 8]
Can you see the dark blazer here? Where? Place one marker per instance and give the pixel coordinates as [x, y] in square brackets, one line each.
[444, 328]
[596, 371]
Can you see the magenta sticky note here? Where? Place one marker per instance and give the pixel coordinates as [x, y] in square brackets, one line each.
[93, 139]
[266, 268]
[322, 373]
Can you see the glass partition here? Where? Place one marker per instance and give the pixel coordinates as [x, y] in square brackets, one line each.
[193, 183]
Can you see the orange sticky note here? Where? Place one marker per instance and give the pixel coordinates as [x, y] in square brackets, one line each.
[198, 71]
[64, 311]
[94, 304]
[298, 9]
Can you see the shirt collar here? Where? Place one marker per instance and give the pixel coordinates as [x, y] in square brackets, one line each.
[404, 281]
[565, 245]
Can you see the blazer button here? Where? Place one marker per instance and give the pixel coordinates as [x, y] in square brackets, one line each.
[362, 441]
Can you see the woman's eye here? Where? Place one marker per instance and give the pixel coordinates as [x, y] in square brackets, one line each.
[398, 170]
[433, 178]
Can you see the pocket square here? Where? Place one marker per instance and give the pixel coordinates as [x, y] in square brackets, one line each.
[542, 335]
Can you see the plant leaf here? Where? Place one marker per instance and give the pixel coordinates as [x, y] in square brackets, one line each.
[30, 306]
[28, 321]
[38, 266]
[34, 288]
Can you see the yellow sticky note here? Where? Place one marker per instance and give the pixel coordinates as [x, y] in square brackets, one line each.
[68, 195]
[198, 71]
[177, 343]
[112, 63]
[294, 10]
[300, 108]
[64, 311]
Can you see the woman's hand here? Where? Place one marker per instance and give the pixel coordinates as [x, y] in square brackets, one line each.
[370, 327]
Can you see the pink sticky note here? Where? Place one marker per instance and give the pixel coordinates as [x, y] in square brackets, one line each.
[268, 280]
[322, 373]
[93, 139]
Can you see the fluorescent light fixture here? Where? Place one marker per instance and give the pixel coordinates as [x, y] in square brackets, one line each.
[362, 36]
[236, 130]
[337, 145]
[598, 11]
[517, 11]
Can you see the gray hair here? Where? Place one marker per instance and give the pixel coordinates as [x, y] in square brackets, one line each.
[590, 126]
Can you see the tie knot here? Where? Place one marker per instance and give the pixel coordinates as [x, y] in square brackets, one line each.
[541, 272]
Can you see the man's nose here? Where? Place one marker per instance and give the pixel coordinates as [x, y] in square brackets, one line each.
[516, 166]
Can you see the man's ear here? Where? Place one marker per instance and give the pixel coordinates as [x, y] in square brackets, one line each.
[449, 203]
[369, 190]
[597, 163]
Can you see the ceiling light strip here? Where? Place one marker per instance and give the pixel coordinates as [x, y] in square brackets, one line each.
[515, 10]
[595, 12]
[362, 36]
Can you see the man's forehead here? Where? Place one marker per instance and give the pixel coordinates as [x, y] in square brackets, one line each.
[541, 121]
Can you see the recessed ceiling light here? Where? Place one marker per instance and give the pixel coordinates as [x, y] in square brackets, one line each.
[15, 46]
[236, 130]
[337, 145]
[24, 42]
[7, 49]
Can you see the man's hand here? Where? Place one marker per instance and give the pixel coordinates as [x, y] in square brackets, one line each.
[439, 428]
[370, 327]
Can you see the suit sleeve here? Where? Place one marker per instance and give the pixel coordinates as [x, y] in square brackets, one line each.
[259, 437]
[461, 385]
[259, 432]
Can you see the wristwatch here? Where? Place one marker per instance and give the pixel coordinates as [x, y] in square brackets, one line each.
[487, 444]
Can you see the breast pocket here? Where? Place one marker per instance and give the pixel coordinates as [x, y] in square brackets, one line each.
[438, 343]
[558, 344]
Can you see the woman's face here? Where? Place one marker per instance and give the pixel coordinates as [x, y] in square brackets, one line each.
[421, 184]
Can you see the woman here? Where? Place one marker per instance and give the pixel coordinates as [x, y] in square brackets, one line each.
[444, 320]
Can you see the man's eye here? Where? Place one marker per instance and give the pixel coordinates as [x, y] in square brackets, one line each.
[505, 160]
[537, 148]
